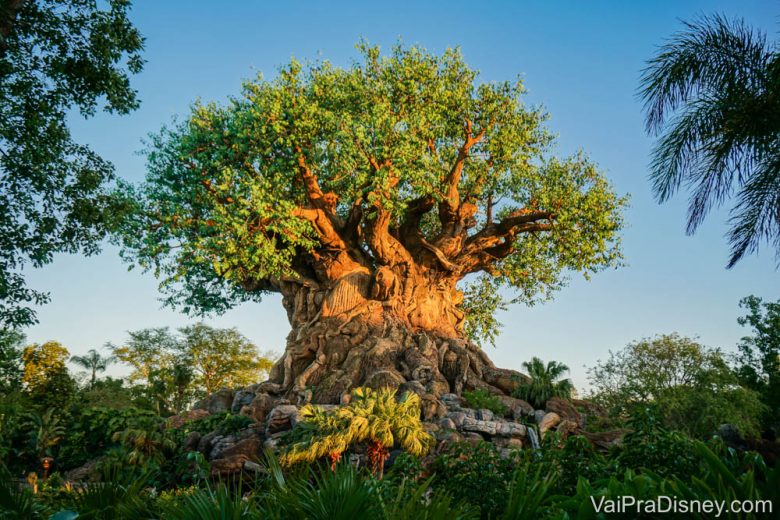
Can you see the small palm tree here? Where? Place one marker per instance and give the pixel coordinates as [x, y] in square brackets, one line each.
[93, 362]
[144, 445]
[376, 418]
[46, 431]
[717, 84]
[544, 382]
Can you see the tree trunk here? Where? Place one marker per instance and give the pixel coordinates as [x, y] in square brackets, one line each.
[390, 328]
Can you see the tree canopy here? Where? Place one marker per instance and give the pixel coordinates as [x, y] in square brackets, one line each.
[402, 159]
[56, 58]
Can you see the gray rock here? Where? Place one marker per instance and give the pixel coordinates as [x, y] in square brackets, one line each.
[204, 444]
[483, 414]
[241, 399]
[220, 444]
[458, 418]
[475, 425]
[511, 429]
[521, 409]
[218, 402]
[281, 418]
[452, 401]
[539, 415]
[447, 424]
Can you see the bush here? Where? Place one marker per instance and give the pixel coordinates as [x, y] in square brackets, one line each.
[483, 399]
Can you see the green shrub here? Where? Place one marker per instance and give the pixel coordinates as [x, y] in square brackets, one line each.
[483, 399]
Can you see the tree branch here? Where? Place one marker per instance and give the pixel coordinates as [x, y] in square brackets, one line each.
[448, 208]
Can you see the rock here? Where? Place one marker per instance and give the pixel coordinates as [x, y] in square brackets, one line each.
[271, 444]
[539, 415]
[281, 418]
[250, 448]
[430, 427]
[567, 427]
[452, 401]
[192, 441]
[241, 399]
[475, 425]
[458, 418]
[521, 409]
[445, 423]
[483, 414]
[504, 379]
[83, 472]
[260, 406]
[606, 440]
[549, 421]
[431, 408]
[226, 467]
[385, 379]
[511, 429]
[177, 421]
[220, 444]
[565, 410]
[204, 445]
[473, 438]
[514, 443]
[218, 402]
[253, 467]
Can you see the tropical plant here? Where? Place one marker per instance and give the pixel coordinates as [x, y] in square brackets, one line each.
[145, 445]
[481, 398]
[18, 502]
[713, 93]
[209, 504]
[46, 431]
[93, 362]
[544, 382]
[11, 344]
[374, 417]
[114, 497]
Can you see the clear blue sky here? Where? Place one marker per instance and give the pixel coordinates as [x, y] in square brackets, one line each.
[581, 60]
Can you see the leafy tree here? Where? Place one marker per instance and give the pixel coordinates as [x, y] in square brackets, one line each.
[692, 387]
[376, 418]
[222, 358]
[93, 362]
[544, 382]
[759, 354]
[11, 343]
[389, 181]
[46, 431]
[45, 376]
[146, 350]
[56, 57]
[713, 93]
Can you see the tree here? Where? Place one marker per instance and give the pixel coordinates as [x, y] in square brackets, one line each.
[758, 362]
[11, 343]
[691, 386]
[376, 418]
[56, 57]
[93, 362]
[44, 375]
[365, 196]
[222, 358]
[544, 382]
[713, 94]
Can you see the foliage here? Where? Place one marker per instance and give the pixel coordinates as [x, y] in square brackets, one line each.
[408, 137]
[759, 355]
[222, 423]
[376, 418]
[543, 383]
[481, 301]
[56, 58]
[476, 474]
[45, 376]
[197, 362]
[713, 91]
[11, 343]
[46, 431]
[145, 447]
[483, 399]
[93, 362]
[692, 386]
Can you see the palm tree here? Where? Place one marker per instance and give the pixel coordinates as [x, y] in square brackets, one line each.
[712, 93]
[46, 431]
[93, 362]
[376, 418]
[544, 382]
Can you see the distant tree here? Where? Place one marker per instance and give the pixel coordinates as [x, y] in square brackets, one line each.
[713, 93]
[93, 362]
[11, 343]
[146, 350]
[691, 386]
[45, 376]
[758, 361]
[56, 58]
[545, 382]
[222, 357]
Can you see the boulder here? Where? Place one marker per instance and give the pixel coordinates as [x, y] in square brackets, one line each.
[511, 429]
[281, 418]
[484, 427]
[564, 409]
[539, 415]
[606, 440]
[458, 418]
[260, 406]
[204, 444]
[548, 422]
[452, 401]
[241, 399]
[226, 467]
[250, 448]
[520, 409]
[445, 423]
[218, 402]
[504, 379]
[483, 414]
[177, 421]
[192, 441]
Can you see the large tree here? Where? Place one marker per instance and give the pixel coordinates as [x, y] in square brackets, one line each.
[712, 94]
[364, 196]
[56, 58]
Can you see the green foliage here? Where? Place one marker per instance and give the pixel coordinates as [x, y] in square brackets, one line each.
[481, 301]
[691, 386]
[543, 383]
[221, 215]
[483, 399]
[224, 424]
[11, 343]
[93, 362]
[58, 58]
[713, 92]
[758, 362]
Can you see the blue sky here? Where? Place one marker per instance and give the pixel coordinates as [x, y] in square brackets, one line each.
[580, 60]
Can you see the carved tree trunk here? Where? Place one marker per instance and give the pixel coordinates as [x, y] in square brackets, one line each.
[398, 328]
